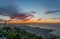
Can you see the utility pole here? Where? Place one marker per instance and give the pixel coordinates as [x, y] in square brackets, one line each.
[6, 20]
[5, 23]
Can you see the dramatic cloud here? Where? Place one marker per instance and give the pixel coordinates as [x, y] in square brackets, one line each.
[11, 8]
[14, 12]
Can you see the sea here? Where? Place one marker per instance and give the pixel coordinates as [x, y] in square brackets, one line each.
[55, 27]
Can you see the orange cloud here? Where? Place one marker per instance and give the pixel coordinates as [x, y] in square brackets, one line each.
[35, 21]
[50, 21]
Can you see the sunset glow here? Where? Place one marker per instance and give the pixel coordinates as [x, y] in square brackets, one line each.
[34, 21]
[29, 11]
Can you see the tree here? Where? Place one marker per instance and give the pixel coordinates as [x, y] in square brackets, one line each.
[11, 35]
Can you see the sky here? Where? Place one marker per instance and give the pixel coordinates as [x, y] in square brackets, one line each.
[29, 9]
[41, 7]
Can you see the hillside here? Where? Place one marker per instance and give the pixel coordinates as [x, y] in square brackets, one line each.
[16, 33]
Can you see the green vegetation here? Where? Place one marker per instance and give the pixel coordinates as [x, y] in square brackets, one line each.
[16, 33]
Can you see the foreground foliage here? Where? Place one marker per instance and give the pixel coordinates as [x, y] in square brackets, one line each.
[16, 33]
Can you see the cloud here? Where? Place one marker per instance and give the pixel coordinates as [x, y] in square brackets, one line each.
[55, 18]
[50, 12]
[39, 19]
[33, 12]
[10, 8]
[14, 12]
